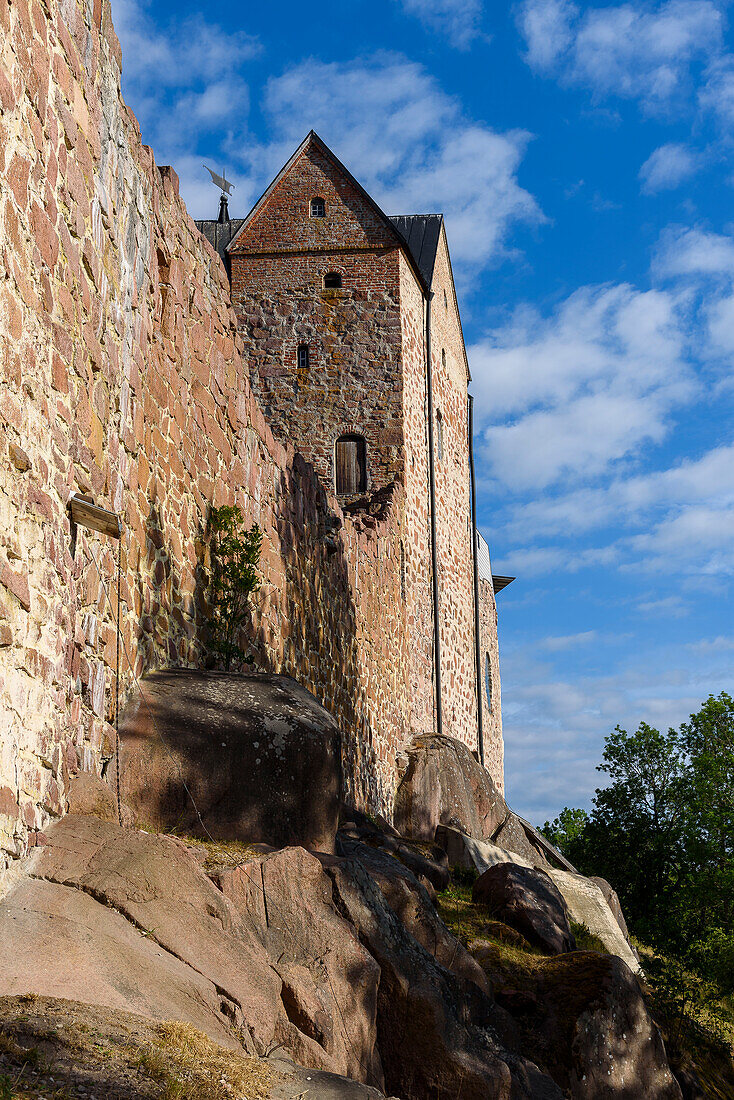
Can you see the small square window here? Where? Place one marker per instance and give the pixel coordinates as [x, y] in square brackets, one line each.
[303, 357]
[332, 280]
[318, 208]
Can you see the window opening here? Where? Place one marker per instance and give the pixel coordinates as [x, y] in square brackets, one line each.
[445, 300]
[351, 465]
[488, 680]
[332, 280]
[318, 208]
[439, 434]
[402, 570]
[303, 357]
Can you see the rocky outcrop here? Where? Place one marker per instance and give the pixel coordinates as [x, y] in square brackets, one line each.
[428, 862]
[526, 899]
[274, 952]
[610, 897]
[587, 905]
[329, 979]
[435, 1034]
[444, 785]
[583, 1019]
[410, 901]
[249, 757]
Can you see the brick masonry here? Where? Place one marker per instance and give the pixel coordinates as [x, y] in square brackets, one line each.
[124, 375]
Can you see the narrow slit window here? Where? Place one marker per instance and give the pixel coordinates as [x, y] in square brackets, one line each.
[318, 208]
[402, 571]
[439, 435]
[332, 280]
[351, 465]
[304, 357]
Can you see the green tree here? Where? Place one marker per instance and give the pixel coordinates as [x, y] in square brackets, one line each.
[709, 743]
[568, 832]
[235, 556]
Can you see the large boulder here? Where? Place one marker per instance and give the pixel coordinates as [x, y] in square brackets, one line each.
[248, 757]
[513, 837]
[587, 905]
[527, 900]
[444, 785]
[612, 900]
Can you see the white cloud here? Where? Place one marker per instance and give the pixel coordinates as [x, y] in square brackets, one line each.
[640, 51]
[409, 143]
[717, 93]
[631, 501]
[457, 20]
[667, 167]
[554, 644]
[669, 606]
[566, 397]
[693, 252]
[184, 82]
[547, 28]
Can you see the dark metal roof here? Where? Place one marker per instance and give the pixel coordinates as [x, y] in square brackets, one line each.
[219, 234]
[421, 233]
[498, 583]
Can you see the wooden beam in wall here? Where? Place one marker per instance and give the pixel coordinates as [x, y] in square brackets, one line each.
[86, 513]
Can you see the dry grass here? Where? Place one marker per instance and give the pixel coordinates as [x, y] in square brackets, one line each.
[85, 1049]
[222, 853]
[191, 1067]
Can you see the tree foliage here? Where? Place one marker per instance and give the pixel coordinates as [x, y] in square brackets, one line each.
[235, 556]
[662, 832]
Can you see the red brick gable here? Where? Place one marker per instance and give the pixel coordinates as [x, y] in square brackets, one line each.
[282, 222]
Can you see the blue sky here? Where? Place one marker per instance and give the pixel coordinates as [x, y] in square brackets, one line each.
[583, 157]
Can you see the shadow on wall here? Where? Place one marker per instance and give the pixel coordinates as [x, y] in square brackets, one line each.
[318, 624]
[304, 621]
[170, 624]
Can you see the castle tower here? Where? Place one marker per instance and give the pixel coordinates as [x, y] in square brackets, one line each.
[357, 357]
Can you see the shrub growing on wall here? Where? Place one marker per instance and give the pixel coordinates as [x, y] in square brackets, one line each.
[235, 555]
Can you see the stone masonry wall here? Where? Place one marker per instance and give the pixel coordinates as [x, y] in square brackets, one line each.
[121, 375]
[352, 383]
[278, 261]
[491, 714]
[453, 507]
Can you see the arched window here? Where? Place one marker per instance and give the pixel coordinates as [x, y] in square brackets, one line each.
[332, 280]
[439, 435]
[318, 208]
[304, 358]
[351, 465]
[488, 680]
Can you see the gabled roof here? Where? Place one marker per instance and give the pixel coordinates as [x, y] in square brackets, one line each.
[313, 138]
[422, 233]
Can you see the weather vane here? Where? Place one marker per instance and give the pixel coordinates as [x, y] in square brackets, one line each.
[226, 188]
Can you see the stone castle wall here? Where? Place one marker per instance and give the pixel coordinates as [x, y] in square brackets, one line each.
[453, 507]
[122, 376]
[491, 694]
